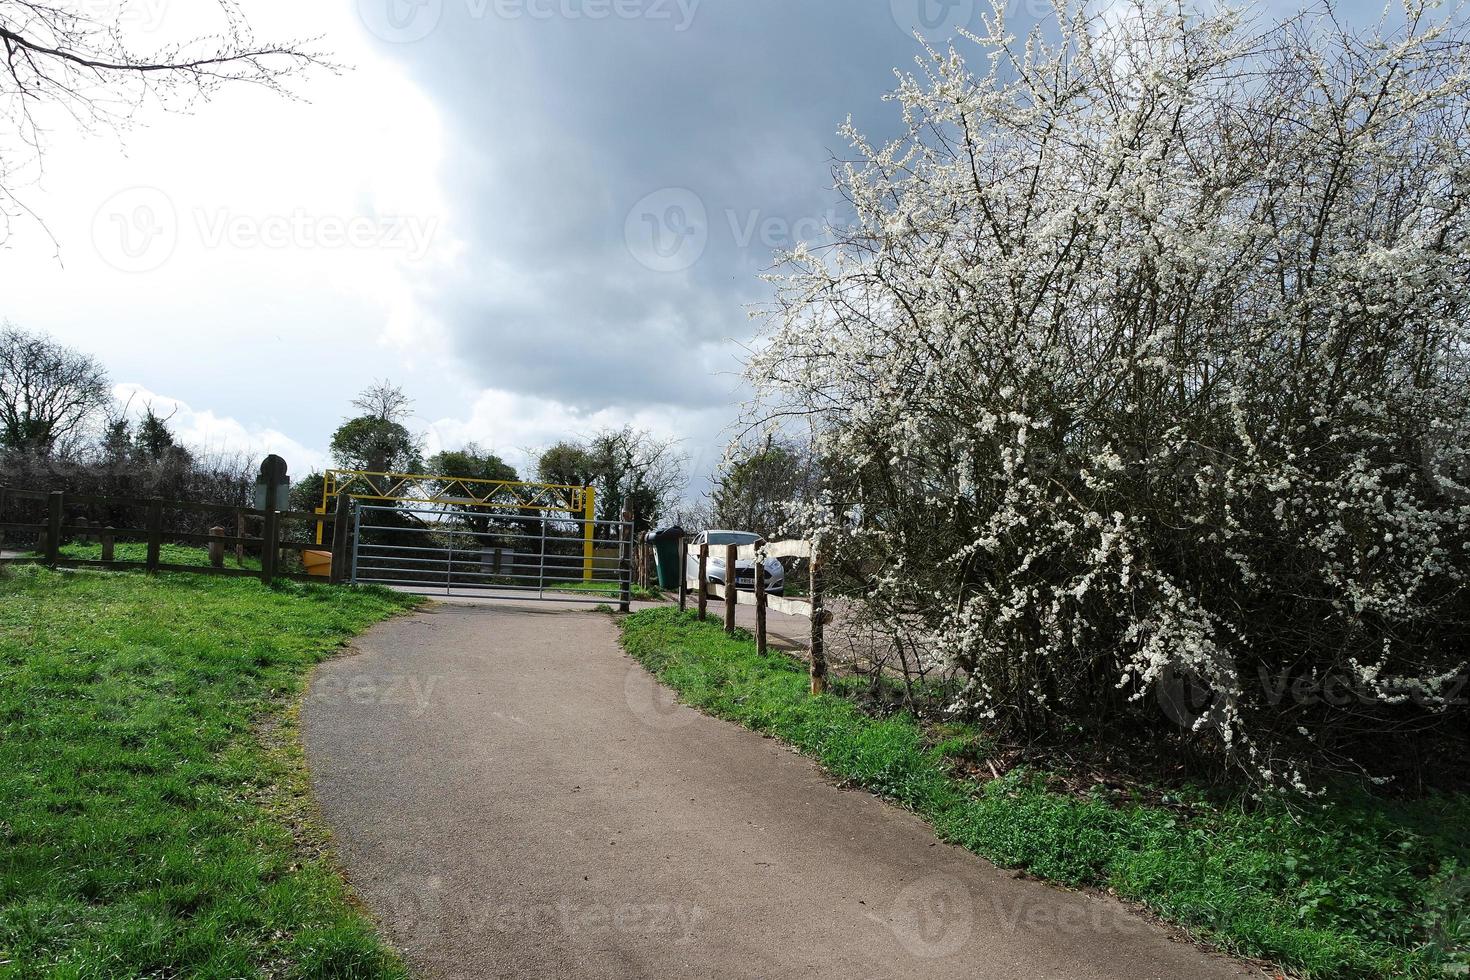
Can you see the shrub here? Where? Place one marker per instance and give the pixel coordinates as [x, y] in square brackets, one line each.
[1145, 362]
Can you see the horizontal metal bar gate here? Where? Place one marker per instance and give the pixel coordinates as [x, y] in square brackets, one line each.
[510, 555]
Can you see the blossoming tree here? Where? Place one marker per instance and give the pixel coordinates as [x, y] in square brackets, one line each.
[1145, 364]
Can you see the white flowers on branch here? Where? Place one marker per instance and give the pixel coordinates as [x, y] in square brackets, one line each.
[1147, 356]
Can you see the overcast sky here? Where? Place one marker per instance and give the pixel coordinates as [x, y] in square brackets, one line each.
[538, 216]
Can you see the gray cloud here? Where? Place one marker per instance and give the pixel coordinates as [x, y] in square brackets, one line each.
[559, 126]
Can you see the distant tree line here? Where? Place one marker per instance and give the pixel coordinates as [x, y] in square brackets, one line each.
[61, 428]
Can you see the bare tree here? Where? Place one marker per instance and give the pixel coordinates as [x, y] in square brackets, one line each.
[384, 401]
[48, 393]
[61, 59]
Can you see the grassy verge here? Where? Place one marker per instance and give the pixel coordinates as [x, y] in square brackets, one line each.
[168, 554]
[1347, 888]
[154, 810]
[608, 588]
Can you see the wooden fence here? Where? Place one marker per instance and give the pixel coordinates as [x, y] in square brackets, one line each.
[62, 520]
[812, 608]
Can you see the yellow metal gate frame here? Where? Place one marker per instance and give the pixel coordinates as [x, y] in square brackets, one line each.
[464, 492]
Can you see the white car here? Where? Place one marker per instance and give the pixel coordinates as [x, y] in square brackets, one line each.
[744, 568]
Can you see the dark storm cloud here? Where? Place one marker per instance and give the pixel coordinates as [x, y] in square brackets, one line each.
[622, 171]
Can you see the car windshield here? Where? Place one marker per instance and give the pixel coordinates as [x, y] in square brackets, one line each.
[732, 537]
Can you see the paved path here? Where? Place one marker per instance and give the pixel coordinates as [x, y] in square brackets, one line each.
[514, 797]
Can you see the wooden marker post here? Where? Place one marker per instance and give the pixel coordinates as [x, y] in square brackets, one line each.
[625, 564]
[269, 485]
[683, 574]
[730, 559]
[341, 530]
[217, 548]
[703, 581]
[54, 511]
[155, 534]
[819, 615]
[760, 605]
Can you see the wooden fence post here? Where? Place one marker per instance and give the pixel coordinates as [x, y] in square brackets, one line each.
[270, 546]
[272, 475]
[702, 582]
[108, 554]
[730, 561]
[54, 513]
[683, 574]
[760, 605]
[4, 504]
[217, 548]
[240, 533]
[155, 533]
[819, 614]
[341, 529]
[625, 564]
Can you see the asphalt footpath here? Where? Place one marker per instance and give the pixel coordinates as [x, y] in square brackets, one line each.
[512, 796]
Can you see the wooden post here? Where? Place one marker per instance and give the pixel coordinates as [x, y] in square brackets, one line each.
[53, 527]
[217, 548]
[81, 526]
[4, 503]
[341, 530]
[730, 552]
[108, 554]
[272, 476]
[240, 533]
[760, 605]
[702, 582]
[155, 533]
[819, 615]
[270, 546]
[625, 564]
[683, 574]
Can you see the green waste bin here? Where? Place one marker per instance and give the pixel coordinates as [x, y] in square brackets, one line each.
[666, 555]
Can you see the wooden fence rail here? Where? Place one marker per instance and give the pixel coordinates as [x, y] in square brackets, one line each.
[55, 528]
[812, 608]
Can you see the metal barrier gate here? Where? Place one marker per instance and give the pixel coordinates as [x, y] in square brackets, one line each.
[537, 556]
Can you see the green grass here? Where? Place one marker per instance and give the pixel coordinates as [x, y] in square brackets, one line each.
[1346, 888]
[608, 588]
[168, 554]
[155, 818]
